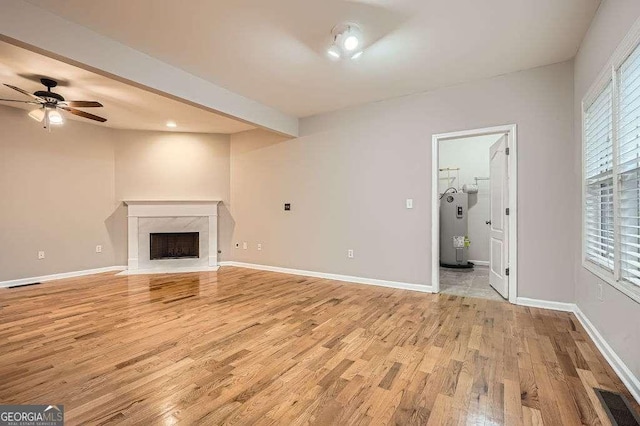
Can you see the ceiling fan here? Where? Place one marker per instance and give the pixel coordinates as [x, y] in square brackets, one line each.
[49, 103]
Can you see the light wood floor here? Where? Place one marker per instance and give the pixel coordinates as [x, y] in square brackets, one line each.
[249, 347]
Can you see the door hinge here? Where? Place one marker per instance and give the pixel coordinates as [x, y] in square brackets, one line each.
[507, 211]
[506, 151]
[506, 272]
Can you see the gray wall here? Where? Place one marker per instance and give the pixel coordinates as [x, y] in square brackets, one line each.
[57, 192]
[616, 317]
[350, 172]
[170, 165]
[62, 190]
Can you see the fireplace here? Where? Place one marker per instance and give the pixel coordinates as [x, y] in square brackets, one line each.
[174, 245]
[169, 236]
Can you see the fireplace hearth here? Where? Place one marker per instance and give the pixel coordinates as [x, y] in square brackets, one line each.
[174, 245]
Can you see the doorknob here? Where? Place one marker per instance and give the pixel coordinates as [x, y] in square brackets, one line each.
[488, 222]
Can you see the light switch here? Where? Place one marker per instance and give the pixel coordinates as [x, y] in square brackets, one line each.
[409, 203]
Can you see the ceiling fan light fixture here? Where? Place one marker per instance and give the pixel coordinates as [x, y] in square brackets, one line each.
[49, 102]
[55, 117]
[37, 114]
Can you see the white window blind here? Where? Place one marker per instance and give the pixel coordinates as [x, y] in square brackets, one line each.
[628, 168]
[598, 170]
[611, 171]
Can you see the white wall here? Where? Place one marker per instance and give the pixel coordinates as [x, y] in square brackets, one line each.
[616, 316]
[350, 172]
[471, 155]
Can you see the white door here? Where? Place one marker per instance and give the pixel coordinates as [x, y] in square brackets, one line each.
[498, 196]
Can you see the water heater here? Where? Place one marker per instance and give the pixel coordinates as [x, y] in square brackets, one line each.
[454, 244]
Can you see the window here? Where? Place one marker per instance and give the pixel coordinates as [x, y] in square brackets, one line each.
[628, 168]
[611, 170]
[598, 170]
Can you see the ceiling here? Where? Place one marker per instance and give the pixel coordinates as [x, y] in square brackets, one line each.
[125, 106]
[275, 51]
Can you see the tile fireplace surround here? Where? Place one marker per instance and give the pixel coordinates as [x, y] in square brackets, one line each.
[146, 217]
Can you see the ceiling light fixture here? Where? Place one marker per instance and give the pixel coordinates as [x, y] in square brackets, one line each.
[47, 115]
[334, 52]
[351, 42]
[171, 124]
[55, 117]
[37, 114]
[347, 41]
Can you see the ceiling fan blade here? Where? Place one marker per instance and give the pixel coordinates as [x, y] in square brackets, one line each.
[22, 102]
[83, 114]
[24, 92]
[81, 104]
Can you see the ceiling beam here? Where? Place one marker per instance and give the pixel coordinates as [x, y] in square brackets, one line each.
[47, 33]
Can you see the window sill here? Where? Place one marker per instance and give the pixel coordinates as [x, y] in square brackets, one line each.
[628, 289]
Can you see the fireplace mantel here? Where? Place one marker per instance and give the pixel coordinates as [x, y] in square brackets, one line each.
[169, 215]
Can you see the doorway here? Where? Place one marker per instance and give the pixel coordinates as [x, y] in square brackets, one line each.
[474, 211]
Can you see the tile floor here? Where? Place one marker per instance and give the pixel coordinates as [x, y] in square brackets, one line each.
[468, 282]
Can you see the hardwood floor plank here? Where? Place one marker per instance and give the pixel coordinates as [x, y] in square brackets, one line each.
[250, 347]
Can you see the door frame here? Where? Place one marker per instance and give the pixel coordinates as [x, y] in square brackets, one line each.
[511, 131]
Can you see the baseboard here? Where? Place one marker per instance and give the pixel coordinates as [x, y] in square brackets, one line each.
[631, 382]
[546, 304]
[480, 262]
[31, 280]
[336, 277]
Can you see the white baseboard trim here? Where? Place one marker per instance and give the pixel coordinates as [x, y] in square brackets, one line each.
[631, 382]
[43, 278]
[336, 277]
[546, 304]
[480, 262]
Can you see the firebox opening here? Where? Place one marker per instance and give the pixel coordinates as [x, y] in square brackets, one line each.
[174, 245]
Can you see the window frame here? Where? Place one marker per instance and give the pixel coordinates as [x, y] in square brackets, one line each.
[609, 74]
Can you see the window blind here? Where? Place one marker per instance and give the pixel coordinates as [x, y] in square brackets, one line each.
[598, 169]
[628, 167]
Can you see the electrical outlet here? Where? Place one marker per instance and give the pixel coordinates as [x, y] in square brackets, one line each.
[98, 249]
[259, 246]
[237, 245]
[244, 245]
[600, 293]
[409, 203]
[40, 255]
[350, 254]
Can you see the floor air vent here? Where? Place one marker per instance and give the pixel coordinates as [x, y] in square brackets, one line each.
[22, 285]
[618, 409]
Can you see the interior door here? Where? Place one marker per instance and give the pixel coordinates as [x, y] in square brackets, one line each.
[498, 196]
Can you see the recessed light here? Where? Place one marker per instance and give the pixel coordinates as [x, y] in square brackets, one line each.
[171, 124]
